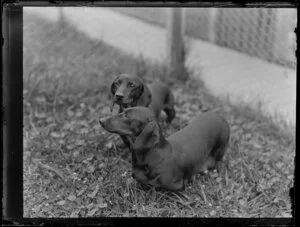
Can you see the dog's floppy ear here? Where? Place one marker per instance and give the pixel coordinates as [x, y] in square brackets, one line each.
[146, 96]
[113, 89]
[113, 86]
[148, 137]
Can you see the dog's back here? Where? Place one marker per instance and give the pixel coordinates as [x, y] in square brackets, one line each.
[159, 90]
[206, 136]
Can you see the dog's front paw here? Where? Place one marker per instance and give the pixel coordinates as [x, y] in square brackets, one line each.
[203, 172]
[133, 176]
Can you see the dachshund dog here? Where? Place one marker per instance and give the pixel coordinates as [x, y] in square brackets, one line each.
[170, 163]
[134, 121]
[130, 91]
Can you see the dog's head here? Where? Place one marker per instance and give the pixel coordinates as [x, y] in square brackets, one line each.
[130, 122]
[126, 90]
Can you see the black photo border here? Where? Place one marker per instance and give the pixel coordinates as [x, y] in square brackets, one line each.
[12, 106]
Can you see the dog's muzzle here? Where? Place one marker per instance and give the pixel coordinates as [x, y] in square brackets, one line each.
[119, 96]
[103, 120]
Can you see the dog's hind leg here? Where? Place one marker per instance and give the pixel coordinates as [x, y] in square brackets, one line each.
[177, 185]
[168, 107]
[218, 156]
[208, 165]
[221, 145]
[170, 112]
[172, 180]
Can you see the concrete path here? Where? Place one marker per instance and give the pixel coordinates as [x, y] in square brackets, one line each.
[226, 73]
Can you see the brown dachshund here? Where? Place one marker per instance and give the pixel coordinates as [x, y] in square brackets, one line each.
[130, 91]
[169, 163]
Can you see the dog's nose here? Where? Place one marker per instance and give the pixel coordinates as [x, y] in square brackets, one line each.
[101, 121]
[119, 96]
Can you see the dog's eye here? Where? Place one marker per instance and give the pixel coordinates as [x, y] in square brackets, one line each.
[118, 82]
[130, 84]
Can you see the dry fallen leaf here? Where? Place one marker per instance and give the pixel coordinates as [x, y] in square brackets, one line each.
[90, 158]
[76, 154]
[212, 213]
[109, 145]
[55, 135]
[62, 202]
[72, 197]
[242, 202]
[286, 215]
[91, 169]
[68, 125]
[92, 212]
[84, 131]
[40, 115]
[219, 179]
[70, 113]
[248, 136]
[81, 191]
[93, 194]
[101, 165]
[80, 142]
[75, 214]
[61, 141]
[90, 206]
[71, 146]
[79, 114]
[102, 205]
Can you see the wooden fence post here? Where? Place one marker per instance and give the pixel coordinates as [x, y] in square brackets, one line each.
[62, 17]
[212, 23]
[175, 43]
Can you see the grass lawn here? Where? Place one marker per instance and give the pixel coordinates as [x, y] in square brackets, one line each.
[73, 168]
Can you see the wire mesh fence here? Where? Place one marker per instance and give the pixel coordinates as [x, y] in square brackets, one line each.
[267, 33]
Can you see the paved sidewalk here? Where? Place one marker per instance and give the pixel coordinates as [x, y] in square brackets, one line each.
[226, 73]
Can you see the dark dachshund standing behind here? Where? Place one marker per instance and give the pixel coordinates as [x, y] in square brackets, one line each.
[130, 91]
